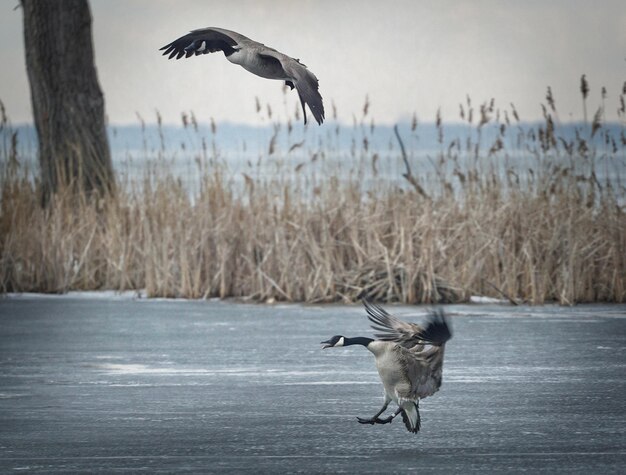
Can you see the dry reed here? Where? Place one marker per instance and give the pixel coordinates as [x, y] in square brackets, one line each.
[557, 235]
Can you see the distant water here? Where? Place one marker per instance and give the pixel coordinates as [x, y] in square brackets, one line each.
[364, 152]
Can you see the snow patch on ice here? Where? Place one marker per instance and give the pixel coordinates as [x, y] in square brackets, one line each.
[481, 299]
[83, 294]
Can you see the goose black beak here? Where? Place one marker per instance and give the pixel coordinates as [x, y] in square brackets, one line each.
[326, 344]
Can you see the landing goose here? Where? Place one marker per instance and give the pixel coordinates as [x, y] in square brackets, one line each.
[254, 57]
[409, 359]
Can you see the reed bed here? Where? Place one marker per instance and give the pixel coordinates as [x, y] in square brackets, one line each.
[555, 233]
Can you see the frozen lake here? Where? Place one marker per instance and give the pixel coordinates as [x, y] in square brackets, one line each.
[89, 384]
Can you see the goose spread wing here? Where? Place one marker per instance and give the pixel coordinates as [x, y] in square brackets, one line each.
[436, 331]
[423, 370]
[203, 41]
[423, 365]
[391, 328]
[304, 81]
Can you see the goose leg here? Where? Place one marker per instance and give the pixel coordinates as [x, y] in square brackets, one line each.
[375, 419]
[387, 420]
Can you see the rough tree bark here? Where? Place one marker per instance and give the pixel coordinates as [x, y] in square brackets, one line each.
[68, 105]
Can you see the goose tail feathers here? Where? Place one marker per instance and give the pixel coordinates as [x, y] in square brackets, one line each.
[411, 417]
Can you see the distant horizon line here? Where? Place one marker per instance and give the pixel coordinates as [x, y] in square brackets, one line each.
[333, 123]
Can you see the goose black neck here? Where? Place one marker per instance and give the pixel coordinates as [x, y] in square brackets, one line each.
[358, 340]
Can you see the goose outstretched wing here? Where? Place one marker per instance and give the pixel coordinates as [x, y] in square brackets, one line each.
[305, 82]
[423, 365]
[391, 328]
[423, 370]
[203, 41]
[436, 331]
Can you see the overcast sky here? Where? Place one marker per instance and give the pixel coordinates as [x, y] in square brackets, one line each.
[407, 56]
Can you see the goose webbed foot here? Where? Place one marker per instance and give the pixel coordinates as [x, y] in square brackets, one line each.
[375, 420]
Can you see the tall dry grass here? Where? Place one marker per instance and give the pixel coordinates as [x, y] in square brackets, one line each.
[557, 233]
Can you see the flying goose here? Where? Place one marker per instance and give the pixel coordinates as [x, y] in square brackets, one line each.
[254, 57]
[409, 359]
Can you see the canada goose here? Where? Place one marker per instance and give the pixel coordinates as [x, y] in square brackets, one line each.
[409, 359]
[254, 57]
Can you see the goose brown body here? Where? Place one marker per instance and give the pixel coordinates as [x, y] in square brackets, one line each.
[254, 57]
[409, 360]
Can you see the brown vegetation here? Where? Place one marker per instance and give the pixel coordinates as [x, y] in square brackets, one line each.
[558, 234]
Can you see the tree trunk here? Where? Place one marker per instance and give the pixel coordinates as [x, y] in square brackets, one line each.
[68, 105]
